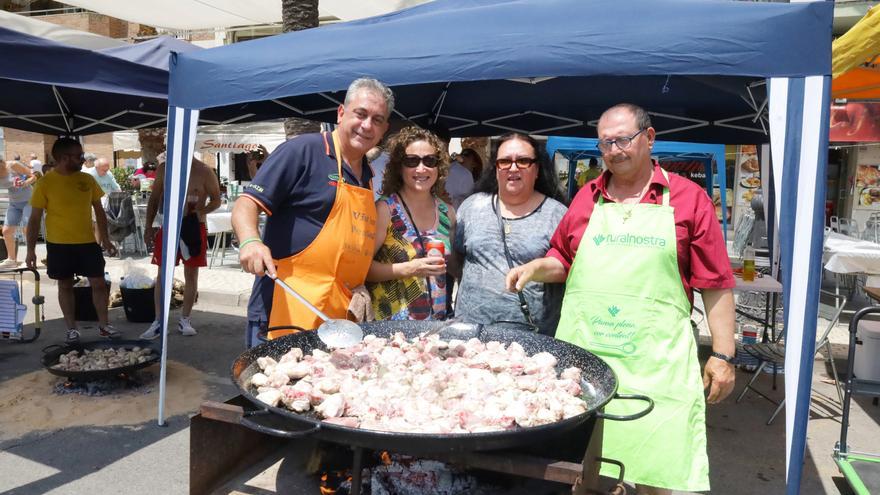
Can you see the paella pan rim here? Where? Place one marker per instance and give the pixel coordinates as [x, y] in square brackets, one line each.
[365, 437]
[51, 357]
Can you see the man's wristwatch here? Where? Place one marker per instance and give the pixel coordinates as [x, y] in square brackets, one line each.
[724, 357]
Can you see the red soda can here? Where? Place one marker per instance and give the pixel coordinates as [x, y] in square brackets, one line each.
[434, 248]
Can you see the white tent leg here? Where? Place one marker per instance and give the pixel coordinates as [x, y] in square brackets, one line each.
[181, 141]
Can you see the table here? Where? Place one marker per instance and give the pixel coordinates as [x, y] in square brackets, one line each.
[219, 223]
[771, 288]
[848, 255]
[873, 293]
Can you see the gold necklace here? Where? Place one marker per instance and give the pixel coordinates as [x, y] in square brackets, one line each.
[627, 212]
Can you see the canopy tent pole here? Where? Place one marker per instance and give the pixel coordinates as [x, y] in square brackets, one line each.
[800, 107]
[181, 141]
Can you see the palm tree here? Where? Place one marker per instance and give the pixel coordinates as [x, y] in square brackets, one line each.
[152, 140]
[297, 15]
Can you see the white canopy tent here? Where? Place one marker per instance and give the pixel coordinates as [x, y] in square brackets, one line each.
[54, 32]
[233, 138]
[206, 14]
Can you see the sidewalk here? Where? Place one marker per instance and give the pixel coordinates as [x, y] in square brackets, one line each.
[225, 285]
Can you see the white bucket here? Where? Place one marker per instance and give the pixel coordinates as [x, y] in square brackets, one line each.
[867, 359]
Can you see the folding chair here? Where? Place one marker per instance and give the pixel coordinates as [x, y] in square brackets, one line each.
[12, 312]
[122, 222]
[773, 353]
[834, 222]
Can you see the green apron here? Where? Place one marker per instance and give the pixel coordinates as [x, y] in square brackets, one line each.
[624, 302]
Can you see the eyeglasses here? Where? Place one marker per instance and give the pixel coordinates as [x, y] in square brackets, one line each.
[621, 142]
[413, 161]
[521, 162]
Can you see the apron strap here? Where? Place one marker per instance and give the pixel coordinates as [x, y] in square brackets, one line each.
[665, 202]
[338, 156]
[336, 151]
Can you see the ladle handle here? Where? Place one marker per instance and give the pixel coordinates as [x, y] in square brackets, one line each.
[300, 298]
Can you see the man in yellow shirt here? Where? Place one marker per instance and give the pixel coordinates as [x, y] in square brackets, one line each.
[66, 194]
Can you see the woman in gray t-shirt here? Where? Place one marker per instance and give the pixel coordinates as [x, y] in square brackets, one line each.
[522, 186]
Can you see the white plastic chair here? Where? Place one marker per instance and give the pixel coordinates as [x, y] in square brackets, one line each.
[848, 226]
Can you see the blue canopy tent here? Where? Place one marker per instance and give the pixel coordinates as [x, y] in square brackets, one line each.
[152, 53]
[53, 88]
[482, 67]
[574, 149]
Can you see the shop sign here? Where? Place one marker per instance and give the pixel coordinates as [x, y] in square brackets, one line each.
[694, 170]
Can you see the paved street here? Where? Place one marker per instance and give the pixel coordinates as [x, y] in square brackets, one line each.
[142, 458]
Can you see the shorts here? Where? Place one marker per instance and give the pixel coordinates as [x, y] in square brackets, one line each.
[17, 214]
[200, 259]
[66, 260]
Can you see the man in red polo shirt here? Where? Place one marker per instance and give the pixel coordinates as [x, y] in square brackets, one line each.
[634, 244]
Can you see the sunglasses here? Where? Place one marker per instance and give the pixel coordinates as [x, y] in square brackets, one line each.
[521, 162]
[413, 161]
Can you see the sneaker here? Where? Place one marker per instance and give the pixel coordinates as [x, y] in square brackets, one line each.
[185, 327]
[154, 332]
[109, 332]
[72, 336]
[8, 263]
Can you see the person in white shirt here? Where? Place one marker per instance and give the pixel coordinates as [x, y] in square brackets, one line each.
[35, 164]
[459, 183]
[378, 161]
[101, 173]
[89, 164]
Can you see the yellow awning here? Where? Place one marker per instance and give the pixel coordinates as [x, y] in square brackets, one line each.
[855, 60]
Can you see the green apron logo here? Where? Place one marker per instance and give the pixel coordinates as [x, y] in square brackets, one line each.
[630, 240]
[613, 310]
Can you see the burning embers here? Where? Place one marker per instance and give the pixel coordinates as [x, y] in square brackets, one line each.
[336, 483]
[393, 474]
[123, 382]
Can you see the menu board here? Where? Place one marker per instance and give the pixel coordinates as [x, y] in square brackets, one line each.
[868, 186]
[748, 178]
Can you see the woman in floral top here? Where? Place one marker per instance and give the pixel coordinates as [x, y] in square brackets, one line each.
[405, 281]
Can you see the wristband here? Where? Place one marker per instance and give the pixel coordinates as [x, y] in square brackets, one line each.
[724, 357]
[248, 241]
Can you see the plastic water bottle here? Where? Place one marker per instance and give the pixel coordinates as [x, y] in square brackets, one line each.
[746, 361]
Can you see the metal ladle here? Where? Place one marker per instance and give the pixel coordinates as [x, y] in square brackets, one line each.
[334, 332]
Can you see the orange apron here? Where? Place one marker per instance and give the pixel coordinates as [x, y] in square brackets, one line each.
[335, 262]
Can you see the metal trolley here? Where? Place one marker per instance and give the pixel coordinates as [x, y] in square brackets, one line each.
[12, 310]
[860, 469]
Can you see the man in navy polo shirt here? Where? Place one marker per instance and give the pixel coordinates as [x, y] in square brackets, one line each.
[316, 191]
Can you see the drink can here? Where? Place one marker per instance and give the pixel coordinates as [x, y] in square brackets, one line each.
[749, 336]
[434, 248]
